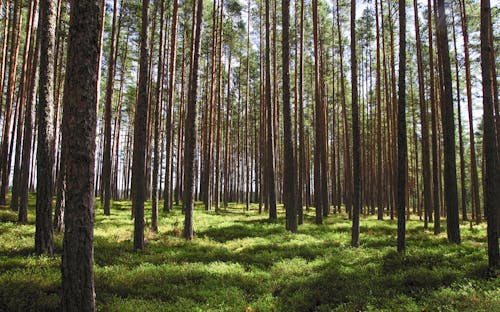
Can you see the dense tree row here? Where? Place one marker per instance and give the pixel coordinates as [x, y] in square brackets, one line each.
[257, 102]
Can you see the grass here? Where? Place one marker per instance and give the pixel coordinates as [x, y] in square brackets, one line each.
[239, 261]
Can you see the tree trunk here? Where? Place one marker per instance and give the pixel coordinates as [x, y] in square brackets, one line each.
[9, 101]
[476, 206]
[22, 102]
[402, 145]
[140, 134]
[491, 172]
[108, 108]
[190, 127]
[79, 124]
[435, 162]
[288, 153]
[270, 173]
[45, 112]
[167, 196]
[447, 119]
[28, 131]
[157, 125]
[355, 132]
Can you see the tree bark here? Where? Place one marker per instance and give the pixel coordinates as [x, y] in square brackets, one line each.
[355, 132]
[45, 112]
[288, 153]
[190, 127]
[491, 172]
[270, 172]
[108, 108]
[79, 124]
[447, 119]
[402, 144]
[9, 101]
[140, 134]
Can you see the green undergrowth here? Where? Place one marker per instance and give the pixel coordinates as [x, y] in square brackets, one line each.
[239, 261]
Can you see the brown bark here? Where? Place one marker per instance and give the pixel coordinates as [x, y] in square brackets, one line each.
[157, 123]
[167, 196]
[79, 124]
[22, 102]
[402, 144]
[140, 134]
[435, 161]
[355, 132]
[28, 130]
[270, 170]
[447, 119]
[491, 172]
[108, 108]
[190, 127]
[288, 152]
[476, 206]
[45, 112]
[9, 100]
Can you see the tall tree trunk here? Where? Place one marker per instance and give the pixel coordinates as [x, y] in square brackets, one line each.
[491, 172]
[380, 205]
[9, 101]
[288, 153]
[79, 124]
[157, 124]
[190, 127]
[28, 130]
[319, 112]
[460, 128]
[140, 133]
[247, 96]
[426, 170]
[167, 196]
[355, 132]
[302, 164]
[476, 206]
[346, 133]
[447, 119]
[402, 145]
[270, 173]
[22, 99]
[45, 112]
[108, 108]
[435, 163]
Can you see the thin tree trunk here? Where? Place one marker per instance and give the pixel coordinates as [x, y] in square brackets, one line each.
[28, 130]
[288, 153]
[270, 172]
[435, 162]
[167, 196]
[355, 132]
[106, 162]
[476, 206]
[402, 144]
[157, 125]
[9, 101]
[22, 99]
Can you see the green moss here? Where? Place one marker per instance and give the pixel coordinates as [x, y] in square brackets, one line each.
[239, 261]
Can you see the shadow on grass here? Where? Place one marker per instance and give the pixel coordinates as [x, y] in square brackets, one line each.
[249, 229]
[335, 286]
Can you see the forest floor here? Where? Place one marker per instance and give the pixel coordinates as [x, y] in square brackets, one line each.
[239, 261]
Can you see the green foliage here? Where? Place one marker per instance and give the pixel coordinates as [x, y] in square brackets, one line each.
[241, 262]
